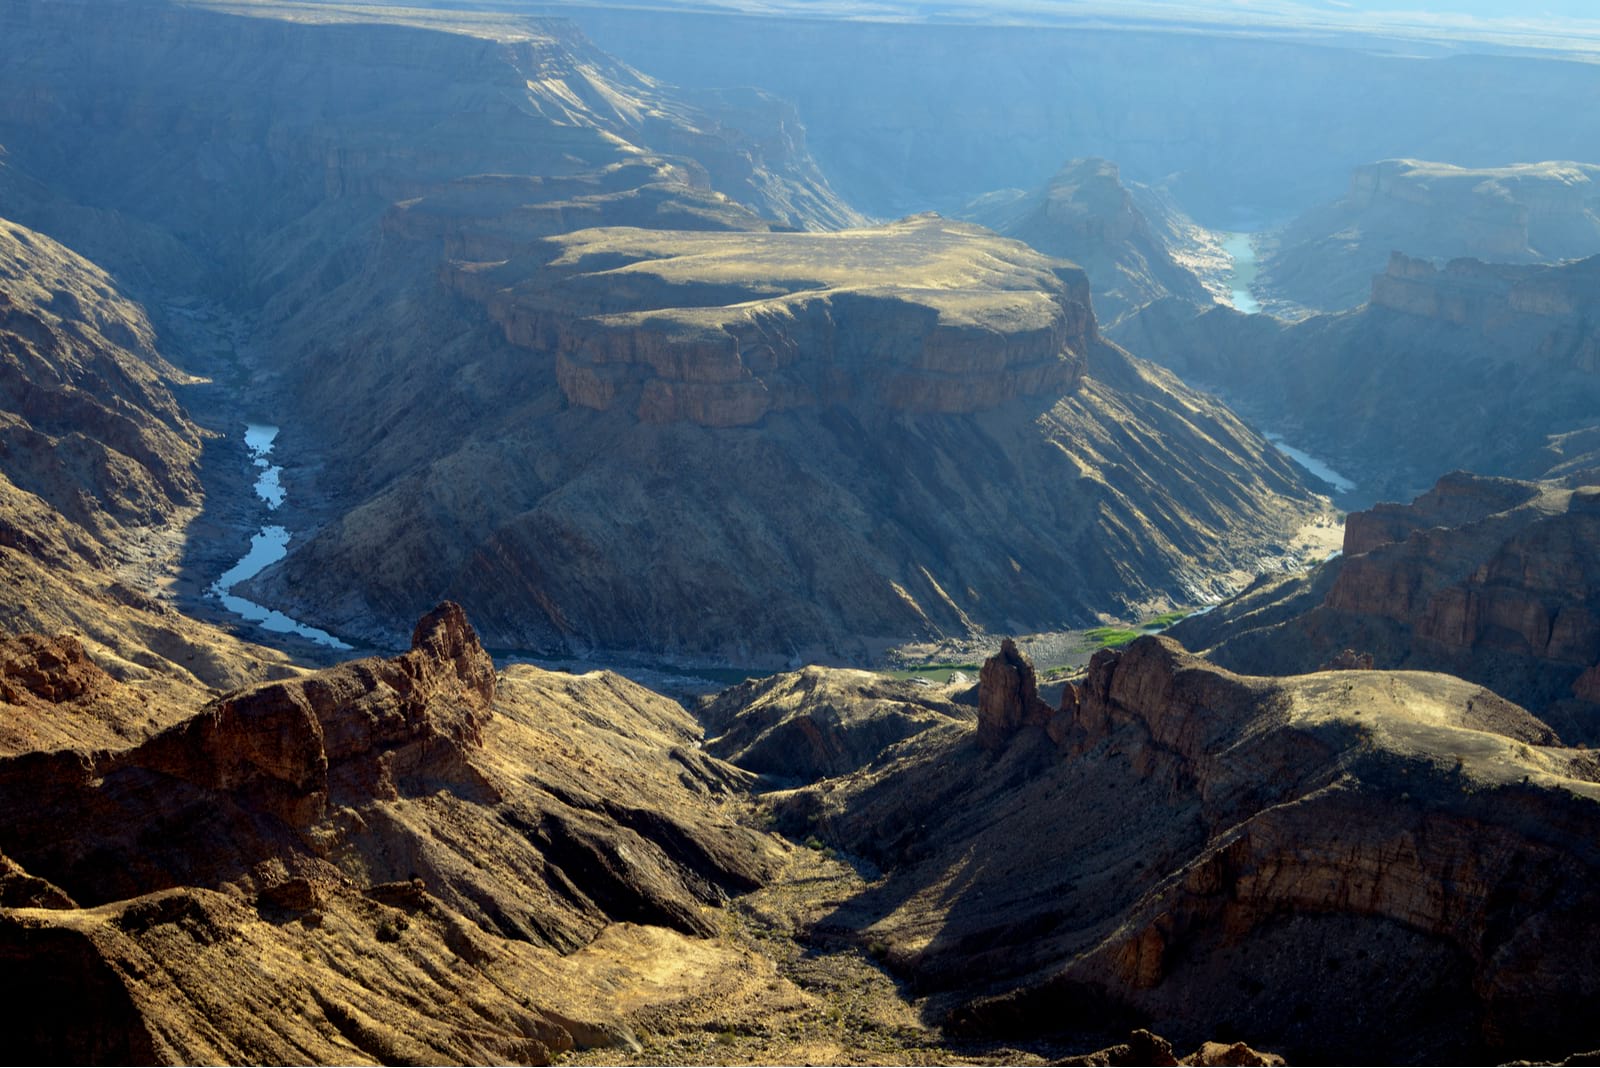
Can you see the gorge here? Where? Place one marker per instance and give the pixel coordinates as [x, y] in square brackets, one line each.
[866, 360]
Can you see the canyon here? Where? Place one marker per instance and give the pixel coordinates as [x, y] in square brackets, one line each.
[1504, 352]
[1490, 579]
[323, 324]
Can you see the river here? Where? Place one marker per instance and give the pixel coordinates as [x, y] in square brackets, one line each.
[267, 547]
[1333, 478]
[1243, 251]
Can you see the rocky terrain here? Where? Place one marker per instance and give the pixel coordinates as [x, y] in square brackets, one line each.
[100, 478]
[610, 363]
[830, 492]
[1491, 579]
[407, 859]
[1342, 865]
[1526, 213]
[1085, 214]
[1504, 354]
[820, 722]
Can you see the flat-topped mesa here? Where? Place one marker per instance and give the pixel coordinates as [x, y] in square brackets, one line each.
[1492, 296]
[921, 315]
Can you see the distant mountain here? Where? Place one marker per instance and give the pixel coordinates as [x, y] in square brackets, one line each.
[1085, 214]
[1527, 213]
[1245, 128]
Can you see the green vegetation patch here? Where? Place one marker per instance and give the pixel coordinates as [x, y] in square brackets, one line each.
[933, 672]
[1110, 637]
[1164, 620]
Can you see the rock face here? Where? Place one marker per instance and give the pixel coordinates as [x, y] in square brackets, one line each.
[377, 861]
[1491, 579]
[1191, 839]
[1008, 697]
[1527, 213]
[720, 329]
[1086, 215]
[1506, 355]
[91, 428]
[99, 474]
[818, 722]
[819, 531]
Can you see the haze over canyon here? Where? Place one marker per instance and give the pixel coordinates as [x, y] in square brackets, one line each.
[926, 534]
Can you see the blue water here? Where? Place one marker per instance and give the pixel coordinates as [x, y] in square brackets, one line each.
[266, 548]
[1243, 252]
[1312, 464]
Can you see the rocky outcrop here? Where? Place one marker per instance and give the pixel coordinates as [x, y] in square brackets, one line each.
[1526, 213]
[1144, 1048]
[1195, 836]
[820, 722]
[1494, 580]
[362, 862]
[1085, 214]
[1008, 697]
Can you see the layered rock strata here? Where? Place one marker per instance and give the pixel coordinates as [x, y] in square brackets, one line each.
[1344, 864]
[1494, 580]
[1526, 213]
[720, 329]
[1506, 357]
[393, 859]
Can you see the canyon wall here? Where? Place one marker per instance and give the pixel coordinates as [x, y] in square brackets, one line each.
[1527, 213]
[1490, 368]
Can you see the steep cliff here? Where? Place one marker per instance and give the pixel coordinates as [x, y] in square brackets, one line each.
[1526, 213]
[1506, 357]
[1349, 864]
[1493, 580]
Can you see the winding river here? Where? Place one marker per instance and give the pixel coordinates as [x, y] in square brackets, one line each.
[267, 547]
